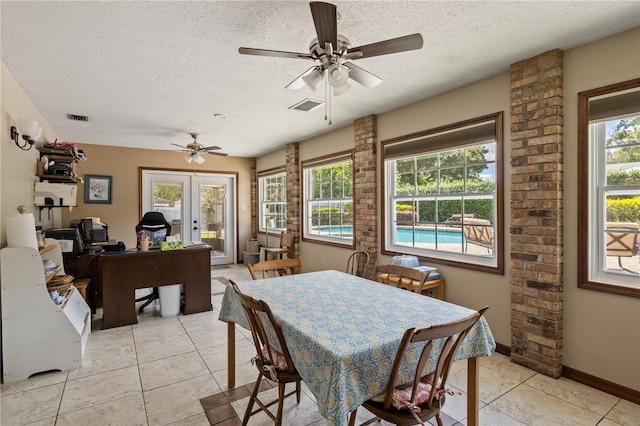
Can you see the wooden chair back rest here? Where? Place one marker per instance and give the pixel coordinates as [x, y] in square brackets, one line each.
[401, 277]
[358, 263]
[276, 268]
[453, 334]
[621, 240]
[286, 240]
[265, 330]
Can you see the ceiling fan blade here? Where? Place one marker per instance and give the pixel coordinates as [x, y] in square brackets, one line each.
[362, 76]
[221, 154]
[325, 18]
[298, 83]
[180, 146]
[394, 45]
[207, 148]
[274, 53]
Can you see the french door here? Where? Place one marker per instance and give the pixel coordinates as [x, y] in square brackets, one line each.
[199, 206]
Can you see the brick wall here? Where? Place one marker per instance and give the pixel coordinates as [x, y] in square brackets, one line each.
[294, 191]
[365, 195]
[536, 212]
[254, 198]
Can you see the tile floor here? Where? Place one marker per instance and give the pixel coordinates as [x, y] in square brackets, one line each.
[157, 371]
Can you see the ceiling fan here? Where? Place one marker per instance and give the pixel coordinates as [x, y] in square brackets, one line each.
[332, 53]
[195, 149]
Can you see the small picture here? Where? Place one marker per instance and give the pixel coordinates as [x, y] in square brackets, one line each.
[97, 189]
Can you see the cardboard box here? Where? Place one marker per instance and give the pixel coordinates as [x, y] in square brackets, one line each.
[171, 245]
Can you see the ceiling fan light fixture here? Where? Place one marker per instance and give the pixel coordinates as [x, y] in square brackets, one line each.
[313, 79]
[338, 75]
[339, 90]
[189, 158]
[199, 159]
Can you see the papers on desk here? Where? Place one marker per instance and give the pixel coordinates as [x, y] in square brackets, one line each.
[195, 244]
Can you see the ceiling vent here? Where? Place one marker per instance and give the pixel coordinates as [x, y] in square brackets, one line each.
[307, 105]
[75, 117]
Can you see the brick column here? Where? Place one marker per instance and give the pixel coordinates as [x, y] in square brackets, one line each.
[365, 194]
[254, 199]
[292, 170]
[536, 212]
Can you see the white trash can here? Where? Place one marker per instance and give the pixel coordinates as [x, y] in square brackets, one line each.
[169, 300]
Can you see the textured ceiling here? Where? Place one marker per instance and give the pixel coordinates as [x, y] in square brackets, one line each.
[148, 73]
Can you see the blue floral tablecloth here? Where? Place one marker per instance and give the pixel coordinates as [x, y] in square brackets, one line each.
[343, 331]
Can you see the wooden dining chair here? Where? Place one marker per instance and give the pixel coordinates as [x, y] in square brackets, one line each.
[402, 277]
[275, 268]
[358, 263]
[272, 356]
[413, 398]
[286, 242]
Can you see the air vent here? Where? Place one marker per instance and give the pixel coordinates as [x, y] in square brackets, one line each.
[307, 105]
[75, 117]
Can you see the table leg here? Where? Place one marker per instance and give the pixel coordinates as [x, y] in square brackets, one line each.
[231, 354]
[473, 388]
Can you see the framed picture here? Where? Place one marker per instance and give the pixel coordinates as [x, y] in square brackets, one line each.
[97, 189]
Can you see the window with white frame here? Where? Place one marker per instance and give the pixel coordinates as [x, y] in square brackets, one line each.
[443, 194]
[609, 203]
[273, 201]
[328, 200]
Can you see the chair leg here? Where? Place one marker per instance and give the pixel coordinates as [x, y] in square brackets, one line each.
[247, 413]
[439, 420]
[352, 417]
[298, 391]
[280, 403]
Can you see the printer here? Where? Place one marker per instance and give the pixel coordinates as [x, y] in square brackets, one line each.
[91, 229]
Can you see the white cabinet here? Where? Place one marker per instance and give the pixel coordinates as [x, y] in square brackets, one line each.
[37, 334]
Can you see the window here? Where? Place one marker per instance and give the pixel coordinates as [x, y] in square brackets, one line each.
[443, 194]
[273, 201]
[609, 198]
[328, 198]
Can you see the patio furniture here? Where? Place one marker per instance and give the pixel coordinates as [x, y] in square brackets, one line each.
[478, 232]
[623, 240]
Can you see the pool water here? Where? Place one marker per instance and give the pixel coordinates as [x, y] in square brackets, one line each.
[404, 235]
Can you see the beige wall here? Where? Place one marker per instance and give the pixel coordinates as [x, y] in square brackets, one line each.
[18, 167]
[601, 331]
[123, 165]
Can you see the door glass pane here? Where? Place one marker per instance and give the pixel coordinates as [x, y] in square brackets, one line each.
[212, 217]
[168, 200]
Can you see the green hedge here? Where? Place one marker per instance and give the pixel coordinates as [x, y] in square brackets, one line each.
[623, 210]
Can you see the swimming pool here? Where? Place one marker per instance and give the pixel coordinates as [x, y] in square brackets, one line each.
[404, 234]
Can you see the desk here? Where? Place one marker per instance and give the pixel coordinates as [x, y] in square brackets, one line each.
[428, 285]
[337, 325]
[120, 274]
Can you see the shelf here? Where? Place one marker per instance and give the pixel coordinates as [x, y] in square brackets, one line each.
[48, 277]
[47, 248]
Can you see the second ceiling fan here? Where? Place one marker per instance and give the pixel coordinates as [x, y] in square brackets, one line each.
[195, 149]
[332, 53]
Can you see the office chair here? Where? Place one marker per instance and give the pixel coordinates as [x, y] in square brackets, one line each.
[157, 228]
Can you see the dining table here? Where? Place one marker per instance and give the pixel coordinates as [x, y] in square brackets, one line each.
[343, 333]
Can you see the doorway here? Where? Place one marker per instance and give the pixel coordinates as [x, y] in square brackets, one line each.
[200, 207]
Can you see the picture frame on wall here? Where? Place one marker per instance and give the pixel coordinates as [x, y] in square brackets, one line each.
[97, 189]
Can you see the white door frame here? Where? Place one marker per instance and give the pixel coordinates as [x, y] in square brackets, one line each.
[190, 182]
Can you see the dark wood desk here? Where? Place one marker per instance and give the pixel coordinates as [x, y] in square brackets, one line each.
[120, 274]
